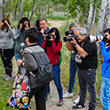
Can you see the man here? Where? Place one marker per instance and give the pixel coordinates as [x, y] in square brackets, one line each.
[44, 30]
[86, 60]
[105, 84]
[73, 68]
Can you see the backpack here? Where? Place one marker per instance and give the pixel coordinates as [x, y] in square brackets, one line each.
[44, 72]
[20, 93]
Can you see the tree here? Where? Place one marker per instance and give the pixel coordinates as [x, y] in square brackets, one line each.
[1, 10]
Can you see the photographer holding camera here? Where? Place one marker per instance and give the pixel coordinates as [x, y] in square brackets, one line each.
[86, 60]
[42, 30]
[105, 84]
[23, 25]
[73, 66]
[6, 50]
[52, 45]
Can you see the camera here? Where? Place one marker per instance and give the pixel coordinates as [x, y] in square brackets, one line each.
[5, 24]
[70, 31]
[70, 38]
[49, 36]
[24, 25]
[95, 38]
[38, 28]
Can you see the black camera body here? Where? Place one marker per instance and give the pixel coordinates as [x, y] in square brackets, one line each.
[38, 28]
[70, 38]
[5, 24]
[24, 25]
[70, 31]
[49, 36]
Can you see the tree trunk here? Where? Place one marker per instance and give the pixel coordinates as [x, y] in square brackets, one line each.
[40, 11]
[1, 10]
[77, 17]
[103, 9]
[4, 6]
[21, 9]
[33, 9]
[15, 12]
[91, 17]
[28, 9]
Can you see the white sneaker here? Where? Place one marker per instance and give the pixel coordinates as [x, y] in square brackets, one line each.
[68, 95]
[7, 78]
[76, 101]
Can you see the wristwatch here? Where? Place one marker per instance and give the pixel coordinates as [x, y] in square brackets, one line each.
[22, 63]
[75, 44]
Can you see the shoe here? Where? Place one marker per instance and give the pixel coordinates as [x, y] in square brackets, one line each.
[3, 76]
[79, 105]
[60, 103]
[76, 101]
[7, 78]
[68, 95]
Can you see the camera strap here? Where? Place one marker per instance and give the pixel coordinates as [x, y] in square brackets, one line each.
[83, 42]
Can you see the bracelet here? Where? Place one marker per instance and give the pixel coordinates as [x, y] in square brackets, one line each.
[22, 63]
[75, 44]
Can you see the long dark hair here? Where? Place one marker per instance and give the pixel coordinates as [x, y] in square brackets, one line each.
[22, 21]
[49, 43]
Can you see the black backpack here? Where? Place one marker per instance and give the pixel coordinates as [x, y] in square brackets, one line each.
[44, 72]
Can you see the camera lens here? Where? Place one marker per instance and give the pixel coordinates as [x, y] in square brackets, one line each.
[4, 24]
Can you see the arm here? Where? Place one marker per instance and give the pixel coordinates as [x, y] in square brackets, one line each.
[57, 48]
[105, 54]
[12, 31]
[17, 34]
[69, 46]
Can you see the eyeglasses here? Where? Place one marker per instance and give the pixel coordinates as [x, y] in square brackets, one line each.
[43, 24]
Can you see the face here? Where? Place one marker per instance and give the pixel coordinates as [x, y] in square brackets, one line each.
[43, 25]
[72, 28]
[108, 35]
[53, 33]
[26, 23]
[80, 38]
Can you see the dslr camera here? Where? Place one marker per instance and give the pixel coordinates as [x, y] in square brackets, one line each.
[49, 36]
[70, 38]
[24, 25]
[4, 24]
[95, 38]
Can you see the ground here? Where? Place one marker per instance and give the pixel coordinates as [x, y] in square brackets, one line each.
[53, 97]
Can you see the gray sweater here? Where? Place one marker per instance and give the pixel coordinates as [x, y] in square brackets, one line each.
[29, 62]
[6, 38]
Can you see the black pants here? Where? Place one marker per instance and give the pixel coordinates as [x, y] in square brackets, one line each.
[39, 94]
[6, 56]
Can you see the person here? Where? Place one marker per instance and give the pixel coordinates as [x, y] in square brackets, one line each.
[43, 30]
[86, 60]
[30, 64]
[72, 70]
[105, 83]
[20, 42]
[52, 45]
[6, 50]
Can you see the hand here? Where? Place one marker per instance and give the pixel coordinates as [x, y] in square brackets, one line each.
[20, 25]
[98, 40]
[42, 32]
[19, 61]
[73, 41]
[7, 23]
[21, 52]
[51, 39]
[1, 24]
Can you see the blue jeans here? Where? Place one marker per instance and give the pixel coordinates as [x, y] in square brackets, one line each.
[105, 93]
[17, 56]
[72, 74]
[87, 81]
[56, 71]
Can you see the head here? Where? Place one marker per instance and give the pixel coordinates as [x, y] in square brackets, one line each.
[107, 32]
[6, 19]
[56, 34]
[80, 33]
[43, 23]
[24, 20]
[31, 36]
[73, 26]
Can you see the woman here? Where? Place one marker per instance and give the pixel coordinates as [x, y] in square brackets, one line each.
[30, 64]
[52, 47]
[20, 42]
[6, 50]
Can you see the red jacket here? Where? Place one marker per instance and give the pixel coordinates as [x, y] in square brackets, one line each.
[53, 51]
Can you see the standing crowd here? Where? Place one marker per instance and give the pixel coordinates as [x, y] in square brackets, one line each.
[40, 39]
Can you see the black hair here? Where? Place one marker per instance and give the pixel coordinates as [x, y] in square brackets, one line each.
[41, 19]
[32, 34]
[22, 21]
[107, 30]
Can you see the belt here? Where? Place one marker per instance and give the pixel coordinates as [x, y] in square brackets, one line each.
[89, 69]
